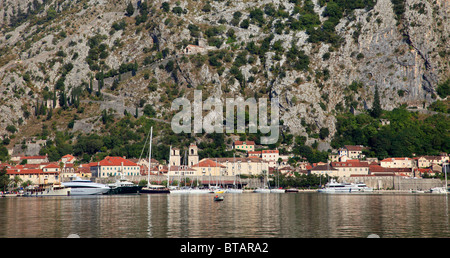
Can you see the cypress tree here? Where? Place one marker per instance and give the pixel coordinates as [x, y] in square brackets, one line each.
[376, 107]
[130, 9]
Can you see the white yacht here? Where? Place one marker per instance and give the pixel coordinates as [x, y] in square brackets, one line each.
[335, 187]
[85, 187]
[439, 190]
[261, 190]
[234, 190]
[47, 190]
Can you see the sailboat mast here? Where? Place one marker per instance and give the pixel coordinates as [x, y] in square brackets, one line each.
[168, 171]
[149, 156]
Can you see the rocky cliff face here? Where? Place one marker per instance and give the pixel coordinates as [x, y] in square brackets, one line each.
[48, 47]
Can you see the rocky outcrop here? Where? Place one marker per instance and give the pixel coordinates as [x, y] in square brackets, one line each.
[405, 57]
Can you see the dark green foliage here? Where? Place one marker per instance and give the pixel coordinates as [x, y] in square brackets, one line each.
[130, 9]
[406, 134]
[399, 8]
[257, 15]
[376, 107]
[165, 6]
[323, 133]
[97, 51]
[443, 89]
[297, 58]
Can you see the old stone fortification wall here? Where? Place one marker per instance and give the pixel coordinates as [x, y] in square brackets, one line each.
[397, 182]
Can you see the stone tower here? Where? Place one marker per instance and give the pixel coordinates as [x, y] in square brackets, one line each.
[175, 157]
[193, 155]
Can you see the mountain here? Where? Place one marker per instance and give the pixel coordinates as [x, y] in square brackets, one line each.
[69, 65]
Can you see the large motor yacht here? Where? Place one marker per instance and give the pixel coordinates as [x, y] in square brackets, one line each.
[335, 187]
[86, 187]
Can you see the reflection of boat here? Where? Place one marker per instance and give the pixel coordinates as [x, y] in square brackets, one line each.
[48, 190]
[85, 187]
[335, 187]
[122, 186]
[218, 198]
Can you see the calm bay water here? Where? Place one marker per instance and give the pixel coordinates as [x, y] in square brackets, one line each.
[248, 215]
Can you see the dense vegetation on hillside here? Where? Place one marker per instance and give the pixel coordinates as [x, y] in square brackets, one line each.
[408, 133]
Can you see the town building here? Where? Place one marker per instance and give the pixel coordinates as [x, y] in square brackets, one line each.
[208, 167]
[34, 159]
[35, 176]
[428, 161]
[251, 166]
[193, 155]
[397, 162]
[68, 159]
[114, 166]
[244, 145]
[324, 170]
[351, 167]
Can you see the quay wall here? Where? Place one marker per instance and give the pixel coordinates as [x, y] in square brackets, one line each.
[397, 182]
[376, 182]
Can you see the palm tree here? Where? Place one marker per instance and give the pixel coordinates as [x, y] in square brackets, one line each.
[16, 181]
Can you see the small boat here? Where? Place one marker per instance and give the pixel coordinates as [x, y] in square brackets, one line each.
[291, 190]
[155, 189]
[234, 190]
[200, 191]
[218, 198]
[439, 190]
[85, 187]
[277, 190]
[47, 190]
[261, 190]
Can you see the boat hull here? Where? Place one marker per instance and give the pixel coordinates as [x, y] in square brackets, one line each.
[48, 192]
[125, 190]
[154, 191]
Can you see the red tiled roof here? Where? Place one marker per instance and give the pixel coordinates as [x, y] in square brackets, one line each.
[33, 157]
[270, 151]
[113, 161]
[246, 142]
[27, 171]
[354, 147]
[208, 163]
[52, 166]
[393, 159]
[350, 164]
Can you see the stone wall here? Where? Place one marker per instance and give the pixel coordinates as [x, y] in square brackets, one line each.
[397, 182]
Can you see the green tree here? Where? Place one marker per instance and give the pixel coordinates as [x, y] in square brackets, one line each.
[129, 10]
[4, 179]
[376, 108]
[443, 89]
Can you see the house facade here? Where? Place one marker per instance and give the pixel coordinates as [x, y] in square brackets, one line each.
[36, 176]
[208, 167]
[114, 166]
[351, 168]
[397, 162]
[428, 161]
[251, 166]
[244, 145]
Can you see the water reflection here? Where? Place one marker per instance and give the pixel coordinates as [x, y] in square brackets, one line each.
[239, 215]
